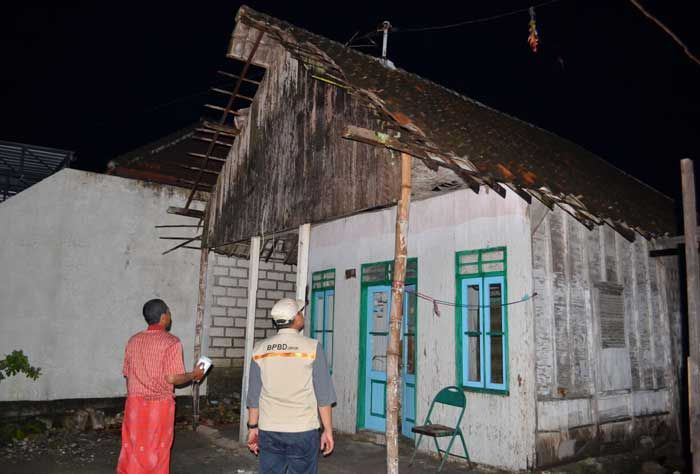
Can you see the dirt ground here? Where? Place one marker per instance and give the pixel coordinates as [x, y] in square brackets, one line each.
[216, 452]
[97, 453]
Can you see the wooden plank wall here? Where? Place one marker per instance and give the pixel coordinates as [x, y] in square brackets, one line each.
[290, 164]
[593, 397]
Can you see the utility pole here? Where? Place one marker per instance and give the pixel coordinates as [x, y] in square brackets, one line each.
[201, 301]
[693, 280]
[253, 273]
[393, 385]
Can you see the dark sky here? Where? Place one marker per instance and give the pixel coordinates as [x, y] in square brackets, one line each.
[102, 78]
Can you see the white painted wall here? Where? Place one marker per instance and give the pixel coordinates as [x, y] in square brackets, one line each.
[499, 429]
[79, 256]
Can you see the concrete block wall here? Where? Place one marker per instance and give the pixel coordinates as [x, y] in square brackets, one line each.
[228, 301]
[81, 256]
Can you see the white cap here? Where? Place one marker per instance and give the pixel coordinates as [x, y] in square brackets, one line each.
[285, 309]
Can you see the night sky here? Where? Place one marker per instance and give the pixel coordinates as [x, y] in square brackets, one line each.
[102, 78]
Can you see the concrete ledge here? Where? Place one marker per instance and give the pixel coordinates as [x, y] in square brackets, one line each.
[52, 408]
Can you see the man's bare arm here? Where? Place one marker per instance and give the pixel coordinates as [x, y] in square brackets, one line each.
[327, 442]
[253, 433]
[253, 415]
[181, 379]
[326, 418]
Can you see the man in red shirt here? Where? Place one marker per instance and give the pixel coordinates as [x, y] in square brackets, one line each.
[153, 365]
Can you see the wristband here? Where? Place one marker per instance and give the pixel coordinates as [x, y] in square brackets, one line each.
[250, 427]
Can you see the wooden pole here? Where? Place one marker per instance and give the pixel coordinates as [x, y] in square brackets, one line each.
[393, 385]
[249, 333]
[693, 281]
[303, 265]
[201, 303]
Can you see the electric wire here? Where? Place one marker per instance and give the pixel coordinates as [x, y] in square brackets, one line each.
[453, 25]
[476, 20]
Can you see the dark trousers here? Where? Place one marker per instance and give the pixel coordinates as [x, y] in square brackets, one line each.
[289, 453]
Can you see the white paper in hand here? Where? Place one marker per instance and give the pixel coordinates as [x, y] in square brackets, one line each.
[205, 363]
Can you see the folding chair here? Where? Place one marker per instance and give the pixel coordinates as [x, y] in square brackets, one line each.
[452, 396]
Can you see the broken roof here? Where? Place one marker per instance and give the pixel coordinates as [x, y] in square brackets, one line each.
[480, 144]
[173, 160]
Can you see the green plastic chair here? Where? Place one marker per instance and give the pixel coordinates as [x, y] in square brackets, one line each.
[452, 396]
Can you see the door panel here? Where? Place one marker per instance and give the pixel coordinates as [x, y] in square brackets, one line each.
[378, 311]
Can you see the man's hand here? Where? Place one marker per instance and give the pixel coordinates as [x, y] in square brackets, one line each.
[327, 443]
[253, 441]
[198, 373]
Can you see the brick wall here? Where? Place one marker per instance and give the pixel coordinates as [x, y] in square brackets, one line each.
[228, 300]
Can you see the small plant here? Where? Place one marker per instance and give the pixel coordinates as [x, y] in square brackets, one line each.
[17, 363]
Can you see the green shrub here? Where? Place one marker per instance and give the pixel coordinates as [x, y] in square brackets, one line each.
[17, 363]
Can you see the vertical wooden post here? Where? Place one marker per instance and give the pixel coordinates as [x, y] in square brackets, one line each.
[201, 303]
[303, 265]
[249, 332]
[393, 385]
[693, 280]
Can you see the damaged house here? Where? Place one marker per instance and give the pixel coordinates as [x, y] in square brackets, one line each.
[530, 283]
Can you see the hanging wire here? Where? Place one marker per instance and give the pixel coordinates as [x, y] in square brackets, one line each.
[436, 302]
[374, 32]
[476, 20]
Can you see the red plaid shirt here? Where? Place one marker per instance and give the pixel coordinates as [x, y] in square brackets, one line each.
[151, 355]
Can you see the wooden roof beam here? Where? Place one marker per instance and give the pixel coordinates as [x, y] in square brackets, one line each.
[380, 139]
[227, 93]
[203, 156]
[233, 76]
[524, 195]
[192, 168]
[211, 127]
[221, 109]
[215, 141]
[226, 111]
[671, 241]
[187, 212]
[622, 229]
[183, 244]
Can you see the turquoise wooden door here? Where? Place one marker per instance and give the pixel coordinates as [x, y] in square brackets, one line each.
[377, 311]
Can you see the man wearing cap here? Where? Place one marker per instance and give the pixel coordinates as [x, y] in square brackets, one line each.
[289, 389]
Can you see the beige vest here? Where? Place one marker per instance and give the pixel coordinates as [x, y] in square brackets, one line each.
[287, 399]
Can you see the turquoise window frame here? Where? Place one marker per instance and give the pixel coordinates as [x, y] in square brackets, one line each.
[483, 267]
[323, 287]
